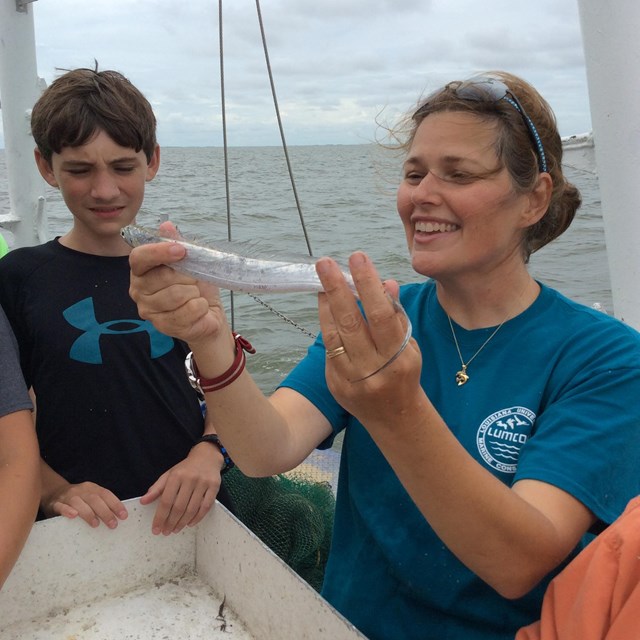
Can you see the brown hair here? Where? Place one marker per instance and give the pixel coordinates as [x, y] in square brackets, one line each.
[514, 147]
[82, 101]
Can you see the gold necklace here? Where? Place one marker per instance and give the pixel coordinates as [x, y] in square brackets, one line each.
[462, 377]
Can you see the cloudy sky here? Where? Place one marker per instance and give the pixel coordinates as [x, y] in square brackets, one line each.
[337, 64]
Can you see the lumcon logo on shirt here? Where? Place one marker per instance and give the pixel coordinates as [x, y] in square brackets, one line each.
[502, 435]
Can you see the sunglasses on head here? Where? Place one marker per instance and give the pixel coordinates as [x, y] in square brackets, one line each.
[491, 89]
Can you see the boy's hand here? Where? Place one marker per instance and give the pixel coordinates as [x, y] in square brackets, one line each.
[91, 502]
[187, 491]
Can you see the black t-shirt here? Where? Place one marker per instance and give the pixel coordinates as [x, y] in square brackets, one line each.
[114, 405]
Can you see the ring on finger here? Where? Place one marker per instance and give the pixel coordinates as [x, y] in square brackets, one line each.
[334, 353]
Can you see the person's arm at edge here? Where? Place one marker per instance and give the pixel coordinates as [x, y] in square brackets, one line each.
[19, 485]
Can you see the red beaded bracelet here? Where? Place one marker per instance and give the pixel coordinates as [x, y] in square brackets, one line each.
[231, 374]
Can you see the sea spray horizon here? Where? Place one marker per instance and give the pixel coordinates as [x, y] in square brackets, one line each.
[347, 197]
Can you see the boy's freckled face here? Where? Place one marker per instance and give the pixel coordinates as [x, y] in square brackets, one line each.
[101, 182]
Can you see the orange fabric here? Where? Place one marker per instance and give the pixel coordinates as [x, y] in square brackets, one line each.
[597, 596]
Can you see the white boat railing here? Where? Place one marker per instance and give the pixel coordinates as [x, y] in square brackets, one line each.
[20, 87]
[612, 55]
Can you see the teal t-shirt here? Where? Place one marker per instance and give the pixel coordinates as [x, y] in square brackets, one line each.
[551, 397]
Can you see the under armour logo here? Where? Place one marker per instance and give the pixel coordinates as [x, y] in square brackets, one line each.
[86, 348]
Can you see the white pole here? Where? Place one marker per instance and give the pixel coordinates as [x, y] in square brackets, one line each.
[612, 52]
[19, 89]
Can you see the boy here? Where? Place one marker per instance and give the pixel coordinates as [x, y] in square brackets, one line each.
[116, 415]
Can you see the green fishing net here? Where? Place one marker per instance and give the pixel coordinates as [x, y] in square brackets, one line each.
[291, 513]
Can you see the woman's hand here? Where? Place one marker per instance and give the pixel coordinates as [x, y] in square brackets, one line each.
[187, 491]
[176, 304]
[368, 344]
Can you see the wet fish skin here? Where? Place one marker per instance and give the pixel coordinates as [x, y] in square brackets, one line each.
[229, 269]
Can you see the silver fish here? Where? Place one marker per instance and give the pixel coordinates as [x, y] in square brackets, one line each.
[225, 266]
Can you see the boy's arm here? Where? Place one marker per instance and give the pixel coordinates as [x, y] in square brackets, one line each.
[188, 490]
[19, 485]
[90, 501]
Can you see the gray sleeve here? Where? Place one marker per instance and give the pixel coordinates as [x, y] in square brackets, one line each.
[13, 391]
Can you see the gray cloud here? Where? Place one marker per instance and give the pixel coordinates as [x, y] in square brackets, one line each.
[336, 63]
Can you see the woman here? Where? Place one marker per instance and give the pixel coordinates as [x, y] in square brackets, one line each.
[476, 458]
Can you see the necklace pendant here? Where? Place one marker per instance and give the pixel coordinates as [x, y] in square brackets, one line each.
[462, 377]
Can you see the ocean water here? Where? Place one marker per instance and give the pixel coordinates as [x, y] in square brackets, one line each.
[347, 198]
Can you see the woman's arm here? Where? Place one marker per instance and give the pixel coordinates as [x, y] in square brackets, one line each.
[263, 435]
[510, 537]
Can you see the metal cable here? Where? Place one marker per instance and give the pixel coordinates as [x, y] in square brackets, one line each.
[284, 143]
[225, 144]
[284, 148]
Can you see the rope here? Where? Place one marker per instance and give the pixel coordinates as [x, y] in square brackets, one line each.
[223, 105]
[284, 143]
[284, 148]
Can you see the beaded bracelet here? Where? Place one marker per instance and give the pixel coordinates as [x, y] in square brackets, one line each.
[231, 374]
[214, 440]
